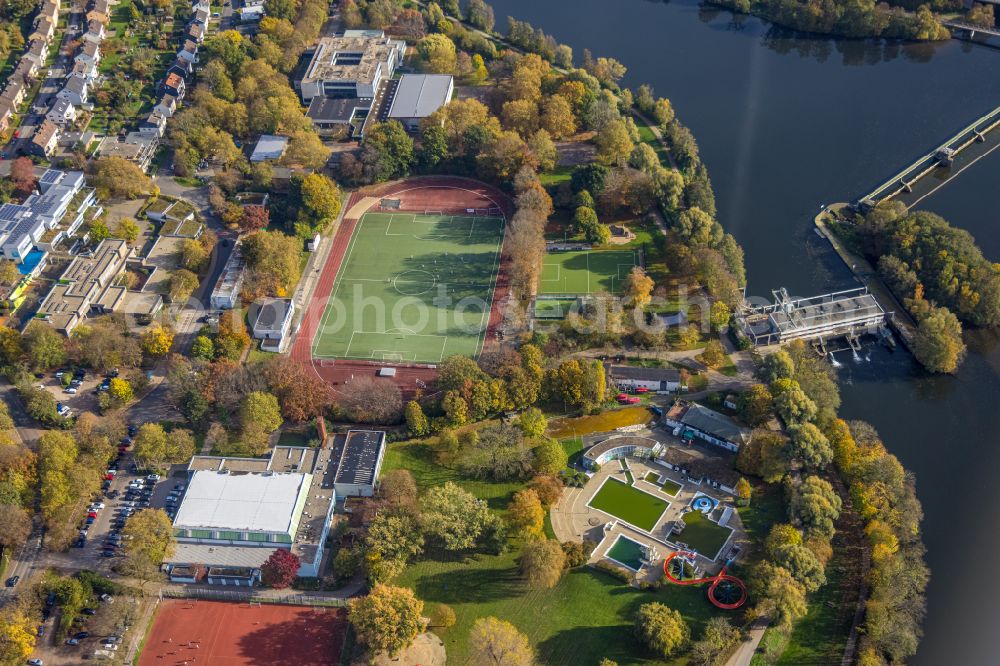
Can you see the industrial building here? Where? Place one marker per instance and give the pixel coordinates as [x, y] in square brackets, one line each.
[628, 377]
[226, 293]
[850, 313]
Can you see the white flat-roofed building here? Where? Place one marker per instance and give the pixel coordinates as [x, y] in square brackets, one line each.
[236, 511]
[271, 319]
[242, 507]
[352, 65]
[358, 456]
[269, 148]
[418, 96]
[226, 293]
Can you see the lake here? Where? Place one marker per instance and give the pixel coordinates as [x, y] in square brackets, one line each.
[787, 123]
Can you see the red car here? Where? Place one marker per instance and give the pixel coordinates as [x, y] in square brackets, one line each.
[642, 389]
[92, 514]
[621, 396]
[109, 477]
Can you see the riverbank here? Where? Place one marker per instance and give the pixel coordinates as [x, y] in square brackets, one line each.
[899, 319]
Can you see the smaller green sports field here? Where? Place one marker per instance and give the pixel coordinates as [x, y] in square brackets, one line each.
[635, 507]
[584, 272]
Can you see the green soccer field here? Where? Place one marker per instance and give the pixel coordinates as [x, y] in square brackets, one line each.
[583, 272]
[412, 288]
[632, 505]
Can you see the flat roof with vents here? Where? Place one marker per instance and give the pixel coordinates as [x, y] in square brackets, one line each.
[359, 457]
[245, 502]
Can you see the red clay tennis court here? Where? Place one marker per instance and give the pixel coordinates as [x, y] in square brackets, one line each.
[209, 633]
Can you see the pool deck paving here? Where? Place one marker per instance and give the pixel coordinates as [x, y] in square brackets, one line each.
[574, 520]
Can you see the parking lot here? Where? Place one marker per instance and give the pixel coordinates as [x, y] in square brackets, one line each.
[80, 396]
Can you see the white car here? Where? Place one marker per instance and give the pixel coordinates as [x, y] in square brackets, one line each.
[71, 390]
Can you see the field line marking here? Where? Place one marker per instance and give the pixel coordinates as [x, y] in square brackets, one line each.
[347, 352]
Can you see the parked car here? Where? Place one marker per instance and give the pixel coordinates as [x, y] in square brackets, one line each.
[90, 611]
[71, 390]
[153, 477]
[12, 581]
[72, 641]
[80, 635]
[107, 598]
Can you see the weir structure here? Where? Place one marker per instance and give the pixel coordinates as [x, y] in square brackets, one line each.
[942, 155]
[849, 313]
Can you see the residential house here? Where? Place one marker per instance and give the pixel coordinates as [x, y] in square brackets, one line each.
[166, 106]
[15, 91]
[62, 112]
[196, 33]
[85, 70]
[95, 32]
[45, 29]
[250, 14]
[50, 10]
[100, 12]
[44, 140]
[7, 110]
[153, 125]
[135, 148]
[25, 71]
[75, 90]
[189, 51]
[181, 67]
[200, 16]
[174, 85]
[226, 293]
[89, 52]
[38, 51]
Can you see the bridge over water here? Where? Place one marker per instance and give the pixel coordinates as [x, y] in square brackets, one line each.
[942, 155]
[971, 28]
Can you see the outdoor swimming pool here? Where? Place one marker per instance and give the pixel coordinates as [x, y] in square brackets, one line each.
[626, 552]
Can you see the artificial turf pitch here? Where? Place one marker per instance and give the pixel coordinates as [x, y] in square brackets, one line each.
[583, 272]
[412, 288]
[632, 505]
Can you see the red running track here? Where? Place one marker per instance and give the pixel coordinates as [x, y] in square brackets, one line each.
[445, 193]
[714, 580]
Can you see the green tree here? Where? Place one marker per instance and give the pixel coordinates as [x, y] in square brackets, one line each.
[498, 643]
[128, 230]
[744, 491]
[781, 597]
[121, 391]
[321, 201]
[454, 518]
[157, 340]
[46, 347]
[549, 457]
[387, 151]
[814, 505]
[791, 402]
[542, 562]
[533, 422]
[203, 348]
[717, 639]
[661, 629]
[438, 53]
[387, 619]
[810, 445]
[614, 144]
[455, 408]
[938, 344]
[261, 409]
[416, 421]
[714, 354]
[182, 284]
[149, 539]
[755, 404]
[778, 365]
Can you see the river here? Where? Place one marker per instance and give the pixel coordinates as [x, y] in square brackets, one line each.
[787, 123]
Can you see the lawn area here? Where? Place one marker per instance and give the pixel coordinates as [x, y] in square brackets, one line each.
[632, 505]
[418, 457]
[702, 534]
[573, 446]
[666, 485]
[603, 422]
[582, 272]
[585, 617]
[559, 175]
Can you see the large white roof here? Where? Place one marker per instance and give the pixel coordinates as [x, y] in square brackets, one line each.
[252, 502]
